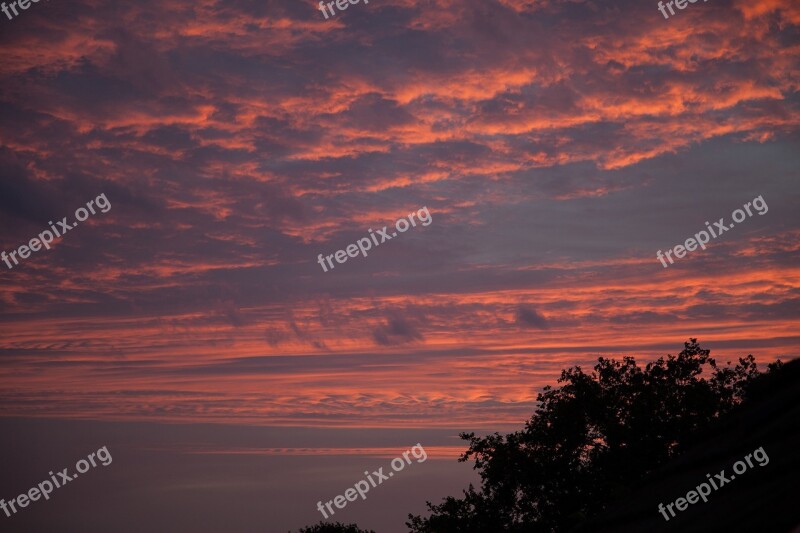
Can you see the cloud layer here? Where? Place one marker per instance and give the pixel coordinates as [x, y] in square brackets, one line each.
[558, 146]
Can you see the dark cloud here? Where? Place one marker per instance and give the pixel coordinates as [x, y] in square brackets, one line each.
[22, 196]
[527, 316]
[396, 330]
[374, 112]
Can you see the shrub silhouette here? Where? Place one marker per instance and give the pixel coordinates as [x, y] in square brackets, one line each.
[589, 441]
[338, 527]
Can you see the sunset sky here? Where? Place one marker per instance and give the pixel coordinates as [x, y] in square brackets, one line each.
[557, 144]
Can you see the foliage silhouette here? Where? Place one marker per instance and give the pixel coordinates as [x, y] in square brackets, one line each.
[338, 527]
[589, 441]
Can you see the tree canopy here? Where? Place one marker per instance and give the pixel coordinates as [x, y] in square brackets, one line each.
[589, 441]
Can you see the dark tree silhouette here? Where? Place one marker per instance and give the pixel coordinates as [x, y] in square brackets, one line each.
[589, 441]
[338, 527]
